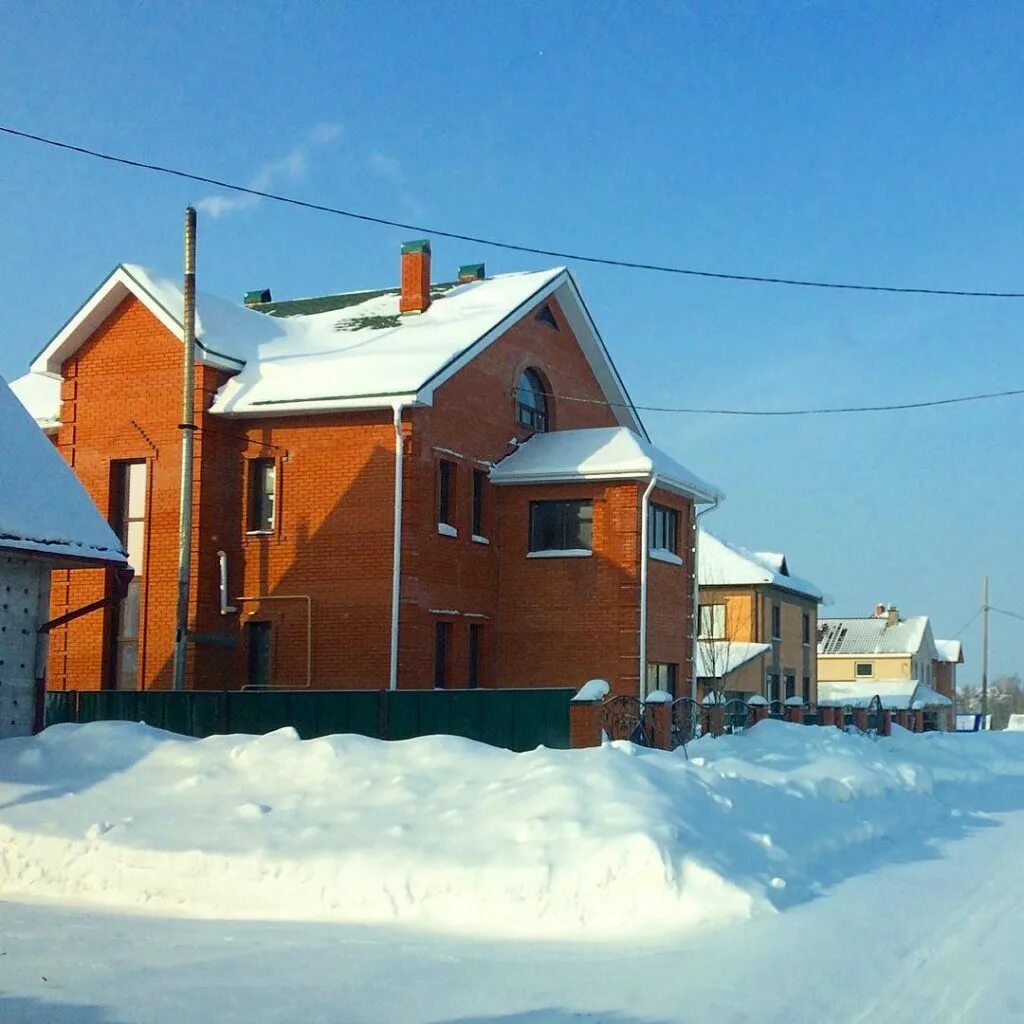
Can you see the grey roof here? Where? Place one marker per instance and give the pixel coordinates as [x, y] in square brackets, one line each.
[871, 635]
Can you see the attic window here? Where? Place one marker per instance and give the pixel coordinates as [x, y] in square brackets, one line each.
[531, 402]
[546, 317]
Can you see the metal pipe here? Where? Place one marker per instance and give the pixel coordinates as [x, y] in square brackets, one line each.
[187, 428]
[309, 633]
[696, 592]
[225, 608]
[396, 555]
[645, 506]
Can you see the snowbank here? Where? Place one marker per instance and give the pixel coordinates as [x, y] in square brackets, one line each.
[446, 834]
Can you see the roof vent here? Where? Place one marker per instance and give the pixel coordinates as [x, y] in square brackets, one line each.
[471, 272]
[257, 297]
[892, 615]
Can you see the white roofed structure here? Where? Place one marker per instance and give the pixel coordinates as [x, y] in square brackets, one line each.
[725, 564]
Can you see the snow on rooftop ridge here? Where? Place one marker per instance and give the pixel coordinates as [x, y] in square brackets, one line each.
[44, 508]
[39, 393]
[950, 650]
[720, 657]
[721, 563]
[598, 453]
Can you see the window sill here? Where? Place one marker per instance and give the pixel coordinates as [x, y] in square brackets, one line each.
[447, 530]
[664, 555]
[259, 533]
[477, 539]
[560, 553]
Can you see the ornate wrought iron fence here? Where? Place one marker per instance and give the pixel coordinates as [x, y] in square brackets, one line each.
[622, 718]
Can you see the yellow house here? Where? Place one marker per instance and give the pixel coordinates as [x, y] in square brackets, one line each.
[758, 624]
[896, 659]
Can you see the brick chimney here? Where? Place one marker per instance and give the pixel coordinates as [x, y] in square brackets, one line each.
[892, 615]
[415, 296]
[879, 610]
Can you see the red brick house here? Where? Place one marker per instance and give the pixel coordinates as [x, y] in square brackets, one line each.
[390, 489]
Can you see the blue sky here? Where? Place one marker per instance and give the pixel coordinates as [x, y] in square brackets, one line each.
[848, 141]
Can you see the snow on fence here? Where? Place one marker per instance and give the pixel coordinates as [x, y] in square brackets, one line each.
[667, 724]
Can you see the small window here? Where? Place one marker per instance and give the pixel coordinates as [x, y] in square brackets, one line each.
[261, 495]
[546, 317]
[773, 686]
[790, 685]
[561, 525]
[475, 651]
[807, 630]
[531, 402]
[776, 622]
[865, 668]
[445, 492]
[712, 622]
[661, 675]
[479, 482]
[442, 638]
[664, 529]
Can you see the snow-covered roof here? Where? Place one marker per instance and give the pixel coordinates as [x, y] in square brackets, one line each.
[871, 635]
[598, 453]
[717, 658]
[720, 563]
[898, 694]
[950, 650]
[40, 395]
[43, 507]
[355, 351]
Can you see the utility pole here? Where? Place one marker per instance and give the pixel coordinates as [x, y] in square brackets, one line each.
[984, 649]
[187, 427]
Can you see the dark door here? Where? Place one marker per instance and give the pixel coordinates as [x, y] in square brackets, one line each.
[259, 653]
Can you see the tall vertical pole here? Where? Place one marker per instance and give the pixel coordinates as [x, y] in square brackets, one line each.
[187, 427]
[984, 649]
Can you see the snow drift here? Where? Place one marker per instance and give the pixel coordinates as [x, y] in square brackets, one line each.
[446, 834]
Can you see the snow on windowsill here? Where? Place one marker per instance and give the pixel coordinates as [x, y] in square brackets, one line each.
[560, 553]
[259, 533]
[664, 555]
[477, 539]
[447, 530]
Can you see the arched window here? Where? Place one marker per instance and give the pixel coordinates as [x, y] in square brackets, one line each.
[531, 402]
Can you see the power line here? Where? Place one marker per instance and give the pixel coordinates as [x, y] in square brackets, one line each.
[1003, 611]
[495, 243]
[794, 412]
[966, 625]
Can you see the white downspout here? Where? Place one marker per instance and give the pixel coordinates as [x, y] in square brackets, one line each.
[696, 594]
[645, 511]
[396, 558]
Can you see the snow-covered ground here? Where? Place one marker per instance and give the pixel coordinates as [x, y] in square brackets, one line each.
[789, 874]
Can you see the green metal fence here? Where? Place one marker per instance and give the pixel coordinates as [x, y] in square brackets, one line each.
[516, 719]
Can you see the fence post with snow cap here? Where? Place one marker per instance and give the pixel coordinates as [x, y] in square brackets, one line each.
[585, 714]
[860, 718]
[658, 711]
[794, 710]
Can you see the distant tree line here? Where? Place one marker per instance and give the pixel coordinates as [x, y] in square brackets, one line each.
[1005, 698]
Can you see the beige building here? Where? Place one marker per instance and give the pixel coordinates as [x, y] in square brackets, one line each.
[896, 659]
[758, 624]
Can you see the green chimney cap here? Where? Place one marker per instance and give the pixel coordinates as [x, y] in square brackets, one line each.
[423, 245]
[471, 272]
[258, 296]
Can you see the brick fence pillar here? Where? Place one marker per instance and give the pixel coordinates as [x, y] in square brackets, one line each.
[795, 713]
[758, 712]
[585, 723]
[659, 720]
[860, 718]
[717, 717]
[885, 722]
[918, 720]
